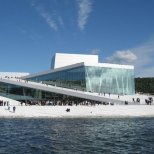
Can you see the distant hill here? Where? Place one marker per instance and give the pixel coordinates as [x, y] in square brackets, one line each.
[144, 85]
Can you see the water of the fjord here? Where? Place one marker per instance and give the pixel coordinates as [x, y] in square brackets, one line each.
[77, 136]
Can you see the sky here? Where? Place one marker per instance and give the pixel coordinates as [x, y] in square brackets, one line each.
[119, 31]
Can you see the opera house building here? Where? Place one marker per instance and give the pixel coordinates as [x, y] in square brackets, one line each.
[70, 75]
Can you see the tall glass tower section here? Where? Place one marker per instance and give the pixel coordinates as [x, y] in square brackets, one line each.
[109, 80]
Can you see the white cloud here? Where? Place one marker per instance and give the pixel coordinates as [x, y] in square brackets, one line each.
[124, 56]
[85, 8]
[49, 20]
[141, 57]
[145, 65]
[45, 15]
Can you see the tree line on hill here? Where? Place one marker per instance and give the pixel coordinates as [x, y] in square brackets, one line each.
[144, 85]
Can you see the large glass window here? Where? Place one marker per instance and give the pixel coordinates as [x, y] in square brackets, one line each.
[70, 78]
[110, 80]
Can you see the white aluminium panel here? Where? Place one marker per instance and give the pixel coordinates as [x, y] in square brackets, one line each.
[108, 65]
[62, 59]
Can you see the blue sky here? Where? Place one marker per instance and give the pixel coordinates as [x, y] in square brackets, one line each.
[120, 31]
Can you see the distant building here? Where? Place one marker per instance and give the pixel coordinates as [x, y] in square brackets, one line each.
[13, 74]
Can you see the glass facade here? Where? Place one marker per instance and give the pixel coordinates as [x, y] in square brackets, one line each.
[93, 79]
[71, 78]
[110, 80]
[24, 93]
[29, 94]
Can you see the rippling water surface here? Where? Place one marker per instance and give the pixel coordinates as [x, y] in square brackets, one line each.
[78, 136]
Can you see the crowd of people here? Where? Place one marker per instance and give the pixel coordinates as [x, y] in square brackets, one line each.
[65, 102]
[4, 103]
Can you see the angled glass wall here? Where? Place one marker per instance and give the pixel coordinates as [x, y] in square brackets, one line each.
[73, 78]
[110, 80]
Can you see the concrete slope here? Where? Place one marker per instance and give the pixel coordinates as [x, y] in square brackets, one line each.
[59, 90]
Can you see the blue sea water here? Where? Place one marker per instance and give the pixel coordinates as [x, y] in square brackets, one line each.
[77, 136]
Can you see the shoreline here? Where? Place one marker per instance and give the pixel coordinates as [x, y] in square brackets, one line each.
[76, 117]
[100, 111]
